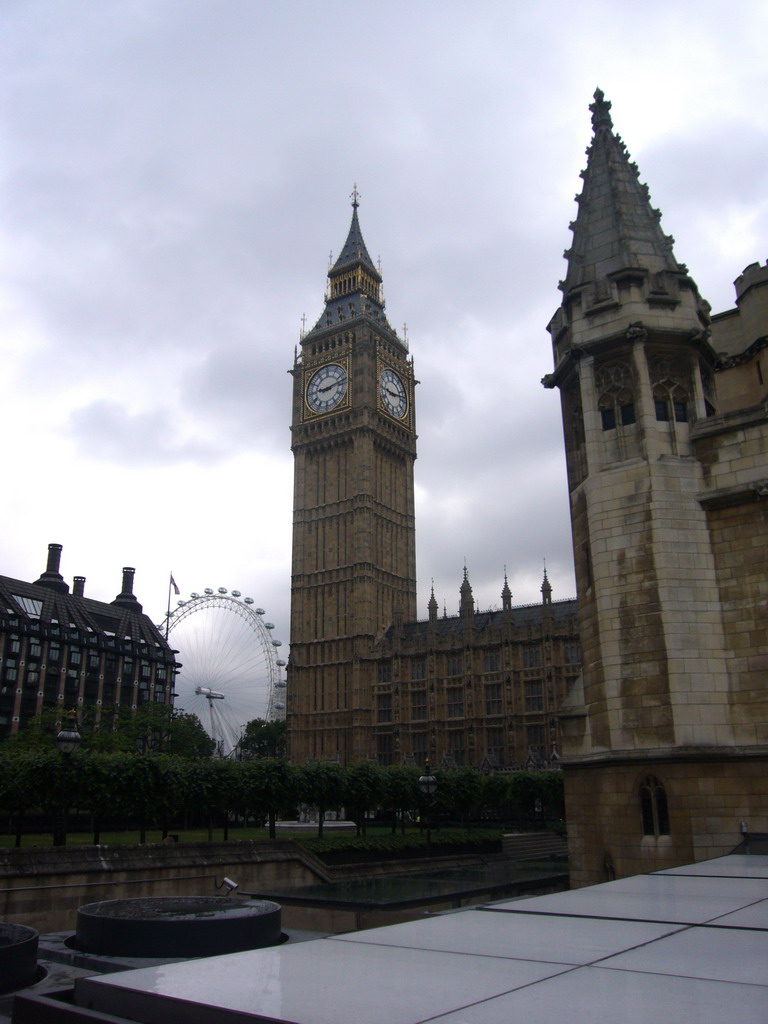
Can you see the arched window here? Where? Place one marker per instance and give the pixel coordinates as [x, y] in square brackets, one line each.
[653, 807]
[670, 401]
[616, 403]
[671, 394]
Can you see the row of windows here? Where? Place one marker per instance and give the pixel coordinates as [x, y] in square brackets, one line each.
[454, 663]
[455, 701]
[417, 745]
[94, 662]
[667, 409]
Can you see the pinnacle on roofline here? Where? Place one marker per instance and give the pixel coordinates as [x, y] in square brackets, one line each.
[601, 117]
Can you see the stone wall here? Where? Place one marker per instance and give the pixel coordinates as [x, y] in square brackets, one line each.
[708, 798]
[43, 888]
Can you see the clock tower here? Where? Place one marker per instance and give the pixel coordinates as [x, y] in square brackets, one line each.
[354, 559]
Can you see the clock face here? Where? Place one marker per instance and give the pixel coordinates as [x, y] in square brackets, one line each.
[394, 397]
[327, 387]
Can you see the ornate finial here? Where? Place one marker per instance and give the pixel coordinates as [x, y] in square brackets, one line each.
[546, 587]
[303, 324]
[356, 195]
[506, 594]
[405, 332]
[600, 111]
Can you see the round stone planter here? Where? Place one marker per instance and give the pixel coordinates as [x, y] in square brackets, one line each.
[18, 957]
[177, 926]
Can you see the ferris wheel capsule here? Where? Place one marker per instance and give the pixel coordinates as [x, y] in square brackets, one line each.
[222, 590]
[269, 625]
[248, 600]
[208, 592]
[279, 705]
[194, 594]
[235, 593]
[259, 611]
[181, 603]
[277, 643]
[280, 662]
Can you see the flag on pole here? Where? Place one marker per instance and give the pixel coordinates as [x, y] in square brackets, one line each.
[175, 588]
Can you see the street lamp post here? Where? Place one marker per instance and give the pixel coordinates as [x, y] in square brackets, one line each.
[67, 741]
[428, 788]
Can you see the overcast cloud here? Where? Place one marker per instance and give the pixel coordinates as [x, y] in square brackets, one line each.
[175, 174]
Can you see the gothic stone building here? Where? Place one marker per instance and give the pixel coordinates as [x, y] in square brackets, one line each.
[62, 650]
[665, 417]
[365, 679]
[478, 688]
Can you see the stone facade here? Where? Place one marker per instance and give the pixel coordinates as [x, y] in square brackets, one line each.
[365, 679]
[354, 556]
[666, 433]
[477, 688]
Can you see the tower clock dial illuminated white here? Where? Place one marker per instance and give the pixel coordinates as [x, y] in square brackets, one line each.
[327, 387]
[394, 397]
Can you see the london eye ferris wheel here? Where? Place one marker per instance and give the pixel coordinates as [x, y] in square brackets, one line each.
[231, 671]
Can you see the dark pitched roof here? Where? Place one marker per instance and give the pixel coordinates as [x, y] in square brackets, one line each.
[33, 603]
[445, 628]
[616, 227]
[360, 302]
[354, 251]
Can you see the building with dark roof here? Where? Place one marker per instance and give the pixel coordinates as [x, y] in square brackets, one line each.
[63, 650]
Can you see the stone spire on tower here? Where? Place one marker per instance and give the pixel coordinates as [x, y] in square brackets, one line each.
[506, 595]
[354, 282]
[546, 589]
[622, 269]
[467, 601]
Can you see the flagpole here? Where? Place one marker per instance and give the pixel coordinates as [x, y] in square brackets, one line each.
[168, 610]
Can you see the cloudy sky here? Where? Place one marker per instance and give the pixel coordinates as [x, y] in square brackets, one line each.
[175, 174]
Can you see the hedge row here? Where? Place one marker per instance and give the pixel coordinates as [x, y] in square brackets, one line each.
[158, 789]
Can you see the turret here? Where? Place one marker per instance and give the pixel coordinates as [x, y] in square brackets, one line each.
[506, 595]
[630, 340]
[467, 601]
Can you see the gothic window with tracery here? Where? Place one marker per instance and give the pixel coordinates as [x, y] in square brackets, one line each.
[670, 396]
[616, 400]
[653, 807]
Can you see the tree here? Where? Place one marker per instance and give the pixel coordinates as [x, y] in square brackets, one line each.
[188, 738]
[401, 791]
[268, 785]
[364, 789]
[321, 785]
[461, 792]
[151, 728]
[262, 739]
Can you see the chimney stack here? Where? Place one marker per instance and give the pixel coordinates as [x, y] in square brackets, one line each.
[78, 586]
[125, 597]
[52, 578]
